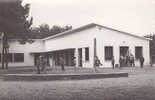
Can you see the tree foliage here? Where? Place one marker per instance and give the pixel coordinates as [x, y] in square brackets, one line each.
[14, 22]
[44, 30]
[152, 43]
[14, 16]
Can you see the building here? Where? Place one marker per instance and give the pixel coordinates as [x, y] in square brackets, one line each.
[83, 44]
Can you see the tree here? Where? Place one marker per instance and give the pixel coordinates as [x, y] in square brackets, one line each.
[44, 31]
[152, 45]
[14, 22]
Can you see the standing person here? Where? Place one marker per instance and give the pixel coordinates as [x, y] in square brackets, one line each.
[62, 63]
[38, 64]
[132, 61]
[121, 61]
[151, 63]
[97, 62]
[113, 62]
[44, 64]
[141, 59]
[127, 60]
[74, 62]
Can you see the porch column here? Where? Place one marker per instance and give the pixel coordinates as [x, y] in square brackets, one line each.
[83, 56]
[116, 53]
[76, 57]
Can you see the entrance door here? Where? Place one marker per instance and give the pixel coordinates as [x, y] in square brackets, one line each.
[124, 50]
[36, 56]
[80, 57]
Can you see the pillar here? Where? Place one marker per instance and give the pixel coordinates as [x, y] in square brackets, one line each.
[76, 57]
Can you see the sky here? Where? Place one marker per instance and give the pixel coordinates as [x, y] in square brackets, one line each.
[133, 16]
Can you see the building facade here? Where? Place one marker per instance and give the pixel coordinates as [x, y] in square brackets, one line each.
[79, 46]
[21, 54]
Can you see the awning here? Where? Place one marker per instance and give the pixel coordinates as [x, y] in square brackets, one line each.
[61, 50]
[38, 52]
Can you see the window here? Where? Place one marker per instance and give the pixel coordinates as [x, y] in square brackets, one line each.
[108, 52]
[87, 54]
[18, 57]
[138, 52]
[10, 57]
[14, 57]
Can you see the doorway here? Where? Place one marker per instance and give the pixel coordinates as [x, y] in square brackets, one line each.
[124, 52]
[36, 56]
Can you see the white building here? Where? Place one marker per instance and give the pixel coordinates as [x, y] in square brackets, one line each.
[82, 43]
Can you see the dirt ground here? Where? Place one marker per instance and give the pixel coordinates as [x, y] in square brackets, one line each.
[140, 85]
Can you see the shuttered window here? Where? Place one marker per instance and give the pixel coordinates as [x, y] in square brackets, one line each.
[108, 52]
[18, 57]
[13, 57]
[138, 52]
[87, 54]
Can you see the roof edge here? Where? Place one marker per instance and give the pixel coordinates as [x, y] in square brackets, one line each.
[93, 25]
[71, 31]
[123, 32]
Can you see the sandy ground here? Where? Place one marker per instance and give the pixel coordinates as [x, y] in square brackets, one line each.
[140, 85]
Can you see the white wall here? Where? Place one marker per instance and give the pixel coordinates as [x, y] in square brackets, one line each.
[82, 39]
[76, 40]
[16, 47]
[104, 37]
[116, 39]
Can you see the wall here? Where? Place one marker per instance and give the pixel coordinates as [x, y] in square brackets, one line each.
[104, 37]
[16, 47]
[82, 39]
[76, 40]
[116, 39]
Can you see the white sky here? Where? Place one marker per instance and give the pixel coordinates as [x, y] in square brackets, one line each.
[135, 16]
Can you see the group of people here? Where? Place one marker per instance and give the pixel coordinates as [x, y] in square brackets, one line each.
[127, 61]
[42, 62]
[62, 62]
[123, 61]
[130, 61]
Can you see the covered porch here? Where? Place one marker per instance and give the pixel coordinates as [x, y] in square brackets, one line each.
[53, 57]
[67, 54]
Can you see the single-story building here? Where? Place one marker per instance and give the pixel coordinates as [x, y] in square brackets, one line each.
[83, 44]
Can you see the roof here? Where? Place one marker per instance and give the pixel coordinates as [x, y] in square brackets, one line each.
[88, 26]
[71, 31]
[123, 32]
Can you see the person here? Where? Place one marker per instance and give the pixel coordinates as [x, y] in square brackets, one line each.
[127, 60]
[113, 62]
[62, 63]
[151, 63]
[74, 62]
[97, 62]
[38, 64]
[121, 61]
[141, 59]
[44, 64]
[132, 61]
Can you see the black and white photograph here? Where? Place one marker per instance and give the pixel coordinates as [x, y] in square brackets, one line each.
[77, 49]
